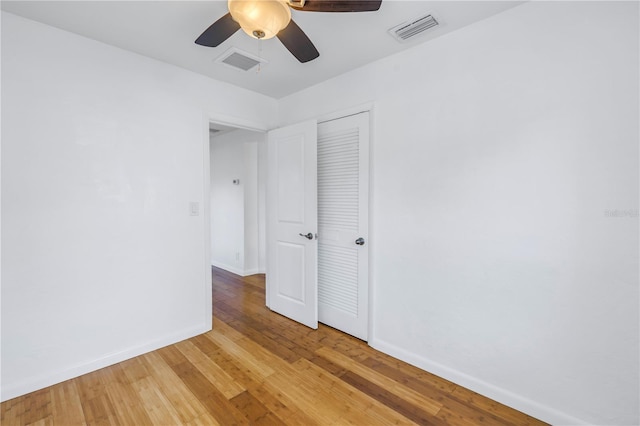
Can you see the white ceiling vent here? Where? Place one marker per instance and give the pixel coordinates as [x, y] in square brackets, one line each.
[239, 60]
[414, 27]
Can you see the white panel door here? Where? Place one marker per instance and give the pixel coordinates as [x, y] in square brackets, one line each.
[292, 222]
[343, 222]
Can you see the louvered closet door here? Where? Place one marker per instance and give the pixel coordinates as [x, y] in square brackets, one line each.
[343, 189]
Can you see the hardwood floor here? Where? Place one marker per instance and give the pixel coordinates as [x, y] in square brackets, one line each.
[257, 367]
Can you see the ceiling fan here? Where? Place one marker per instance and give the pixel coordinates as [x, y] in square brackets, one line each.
[264, 19]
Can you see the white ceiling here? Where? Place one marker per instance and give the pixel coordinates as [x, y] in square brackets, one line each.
[166, 30]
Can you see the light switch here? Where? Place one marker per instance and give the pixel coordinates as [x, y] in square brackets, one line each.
[194, 208]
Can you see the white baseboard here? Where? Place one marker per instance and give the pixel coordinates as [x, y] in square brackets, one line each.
[31, 384]
[228, 268]
[503, 396]
[234, 270]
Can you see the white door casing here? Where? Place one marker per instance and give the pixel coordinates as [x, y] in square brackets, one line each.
[291, 279]
[343, 207]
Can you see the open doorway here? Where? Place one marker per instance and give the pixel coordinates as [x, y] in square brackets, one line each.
[237, 199]
[318, 188]
[318, 265]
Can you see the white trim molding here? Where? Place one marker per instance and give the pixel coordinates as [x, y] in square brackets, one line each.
[500, 395]
[32, 384]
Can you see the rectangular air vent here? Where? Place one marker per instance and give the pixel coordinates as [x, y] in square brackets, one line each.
[414, 27]
[239, 59]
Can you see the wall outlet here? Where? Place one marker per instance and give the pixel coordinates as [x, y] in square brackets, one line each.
[194, 208]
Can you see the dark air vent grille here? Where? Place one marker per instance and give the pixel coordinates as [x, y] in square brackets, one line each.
[407, 30]
[238, 60]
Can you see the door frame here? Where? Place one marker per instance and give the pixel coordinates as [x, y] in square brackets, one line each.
[238, 123]
[241, 123]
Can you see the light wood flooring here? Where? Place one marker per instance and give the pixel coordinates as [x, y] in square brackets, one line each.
[257, 367]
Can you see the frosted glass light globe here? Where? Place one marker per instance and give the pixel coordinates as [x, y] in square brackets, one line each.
[260, 19]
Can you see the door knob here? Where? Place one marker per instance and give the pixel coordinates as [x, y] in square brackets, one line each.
[360, 241]
[308, 236]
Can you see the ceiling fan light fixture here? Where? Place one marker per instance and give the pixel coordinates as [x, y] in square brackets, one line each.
[261, 19]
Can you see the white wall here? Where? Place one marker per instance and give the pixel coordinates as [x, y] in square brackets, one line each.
[235, 212]
[102, 152]
[262, 212]
[227, 204]
[497, 151]
[251, 231]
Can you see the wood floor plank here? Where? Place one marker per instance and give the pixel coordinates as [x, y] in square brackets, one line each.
[401, 370]
[155, 403]
[427, 404]
[66, 406]
[275, 346]
[316, 404]
[134, 369]
[212, 371]
[247, 359]
[376, 412]
[222, 327]
[410, 411]
[261, 319]
[126, 402]
[99, 410]
[184, 402]
[203, 420]
[38, 407]
[97, 406]
[256, 412]
[47, 421]
[261, 354]
[338, 399]
[281, 367]
[228, 363]
[479, 402]
[127, 405]
[212, 399]
[277, 403]
[11, 411]
[295, 343]
[433, 389]
[455, 413]
[260, 368]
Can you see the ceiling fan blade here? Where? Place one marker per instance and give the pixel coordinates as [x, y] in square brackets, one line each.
[298, 43]
[218, 32]
[339, 5]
